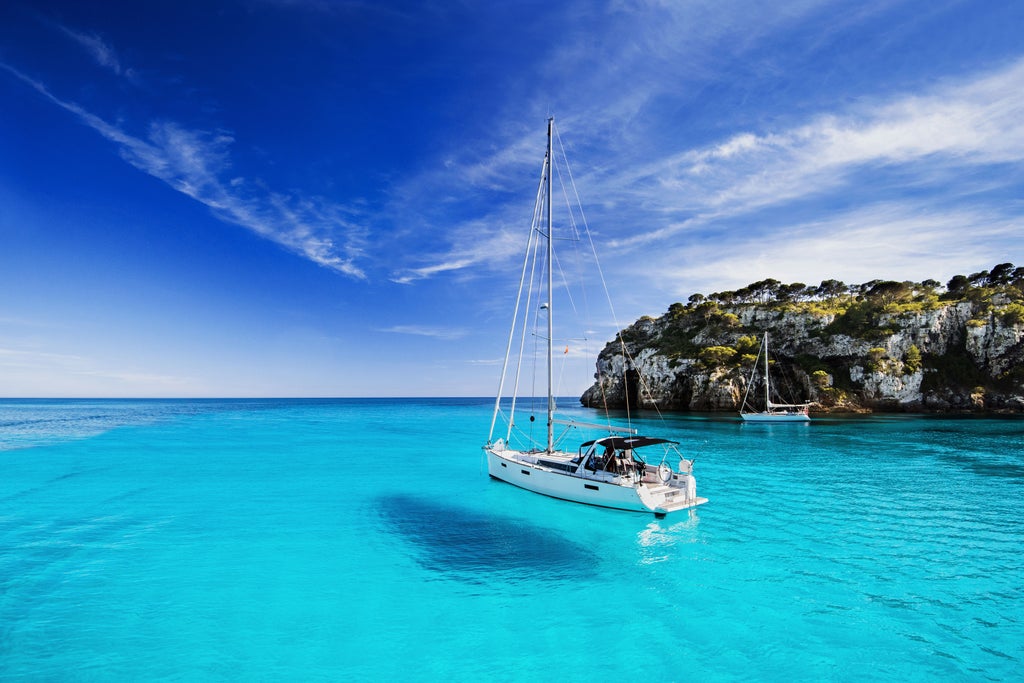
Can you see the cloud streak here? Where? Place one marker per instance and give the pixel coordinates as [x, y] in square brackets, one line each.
[443, 333]
[98, 49]
[897, 240]
[477, 242]
[197, 164]
[34, 372]
[932, 137]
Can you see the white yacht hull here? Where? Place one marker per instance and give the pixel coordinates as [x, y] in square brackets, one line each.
[600, 488]
[775, 417]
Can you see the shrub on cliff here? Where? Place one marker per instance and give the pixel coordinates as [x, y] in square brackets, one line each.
[875, 356]
[716, 356]
[1013, 314]
[730, 319]
[747, 345]
[857, 321]
[912, 359]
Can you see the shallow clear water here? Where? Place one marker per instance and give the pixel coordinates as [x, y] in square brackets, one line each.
[363, 540]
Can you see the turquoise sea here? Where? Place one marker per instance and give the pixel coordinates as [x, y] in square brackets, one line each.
[361, 540]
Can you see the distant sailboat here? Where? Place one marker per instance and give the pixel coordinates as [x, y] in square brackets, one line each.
[773, 412]
[608, 471]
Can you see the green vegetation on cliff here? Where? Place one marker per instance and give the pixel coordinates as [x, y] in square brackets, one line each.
[919, 345]
[853, 310]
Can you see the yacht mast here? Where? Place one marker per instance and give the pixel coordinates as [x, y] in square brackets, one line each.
[551, 399]
[767, 398]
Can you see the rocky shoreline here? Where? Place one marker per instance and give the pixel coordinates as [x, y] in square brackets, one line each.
[879, 347]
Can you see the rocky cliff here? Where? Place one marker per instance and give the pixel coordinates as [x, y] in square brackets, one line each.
[882, 345]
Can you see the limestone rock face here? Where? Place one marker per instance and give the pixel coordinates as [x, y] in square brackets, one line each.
[962, 356]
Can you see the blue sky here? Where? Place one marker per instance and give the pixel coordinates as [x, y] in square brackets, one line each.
[317, 198]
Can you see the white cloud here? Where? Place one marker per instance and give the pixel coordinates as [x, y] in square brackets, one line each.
[475, 242]
[933, 136]
[31, 372]
[894, 240]
[140, 379]
[21, 358]
[99, 49]
[424, 331]
[197, 164]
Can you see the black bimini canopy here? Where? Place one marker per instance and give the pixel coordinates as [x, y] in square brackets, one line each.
[627, 442]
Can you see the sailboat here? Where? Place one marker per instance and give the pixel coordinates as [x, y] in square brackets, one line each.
[615, 470]
[773, 412]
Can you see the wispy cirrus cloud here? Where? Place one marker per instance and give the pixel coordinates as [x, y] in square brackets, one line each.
[197, 163]
[32, 372]
[931, 137]
[11, 357]
[100, 50]
[495, 239]
[444, 333]
[413, 274]
[909, 239]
